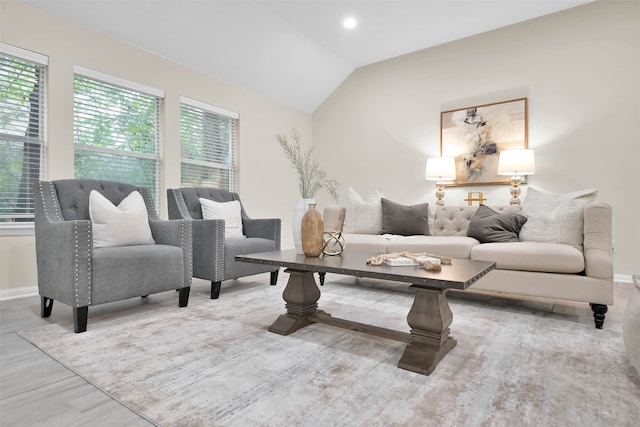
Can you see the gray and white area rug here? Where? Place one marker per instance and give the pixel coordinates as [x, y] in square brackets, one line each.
[214, 363]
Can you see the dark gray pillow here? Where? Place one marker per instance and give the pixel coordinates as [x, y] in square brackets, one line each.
[489, 226]
[404, 220]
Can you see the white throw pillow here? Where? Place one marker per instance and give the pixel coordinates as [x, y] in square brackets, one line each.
[363, 217]
[229, 212]
[123, 225]
[555, 218]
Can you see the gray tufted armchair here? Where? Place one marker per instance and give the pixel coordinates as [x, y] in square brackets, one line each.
[75, 273]
[213, 255]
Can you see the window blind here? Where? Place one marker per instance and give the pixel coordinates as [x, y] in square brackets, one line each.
[22, 133]
[208, 138]
[116, 133]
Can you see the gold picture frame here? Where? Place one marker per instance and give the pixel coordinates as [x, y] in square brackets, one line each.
[474, 137]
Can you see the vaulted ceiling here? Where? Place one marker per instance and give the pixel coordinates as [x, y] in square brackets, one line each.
[294, 51]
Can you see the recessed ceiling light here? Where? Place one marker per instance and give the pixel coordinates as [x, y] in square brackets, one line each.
[350, 22]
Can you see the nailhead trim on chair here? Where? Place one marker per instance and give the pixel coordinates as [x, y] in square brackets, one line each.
[89, 261]
[187, 224]
[44, 202]
[220, 253]
[76, 263]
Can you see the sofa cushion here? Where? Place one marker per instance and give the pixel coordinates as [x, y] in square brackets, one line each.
[132, 271]
[122, 225]
[405, 220]
[367, 242]
[555, 218]
[531, 256]
[489, 226]
[453, 246]
[232, 247]
[363, 217]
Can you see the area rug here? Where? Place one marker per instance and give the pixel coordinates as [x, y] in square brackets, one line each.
[214, 363]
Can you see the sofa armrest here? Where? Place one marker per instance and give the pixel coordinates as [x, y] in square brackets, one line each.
[598, 237]
[64, 252]
[176, 232]
[208, 249]
[266, 228]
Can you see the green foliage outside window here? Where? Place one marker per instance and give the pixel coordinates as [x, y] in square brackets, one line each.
[21, 142]
[116, 133]
[206, 143]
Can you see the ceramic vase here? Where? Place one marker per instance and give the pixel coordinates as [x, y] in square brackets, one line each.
[631, 325]
[312, 230]
[301, 208]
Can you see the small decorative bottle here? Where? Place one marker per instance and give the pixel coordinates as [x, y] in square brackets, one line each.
[312, 230]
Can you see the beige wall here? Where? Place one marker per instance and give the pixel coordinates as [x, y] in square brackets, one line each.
[579, 70]
[265, 183]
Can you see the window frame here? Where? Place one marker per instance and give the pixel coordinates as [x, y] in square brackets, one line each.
[126, 85]
[27, 227]
[233, 141]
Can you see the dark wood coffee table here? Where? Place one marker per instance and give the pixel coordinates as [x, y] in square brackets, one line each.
[429, 317]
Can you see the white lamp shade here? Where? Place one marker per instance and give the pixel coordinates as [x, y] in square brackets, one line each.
[440, 169]
[516, 162]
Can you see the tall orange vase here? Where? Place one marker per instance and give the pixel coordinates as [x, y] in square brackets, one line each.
[312, 229]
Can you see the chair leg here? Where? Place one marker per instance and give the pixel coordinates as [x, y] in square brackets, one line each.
[80, 315]
[274, 277]
[321, 277]
[46, 305]
[183, 297]
[215, 289]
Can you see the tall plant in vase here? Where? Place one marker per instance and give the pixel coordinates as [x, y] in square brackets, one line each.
[311, 179]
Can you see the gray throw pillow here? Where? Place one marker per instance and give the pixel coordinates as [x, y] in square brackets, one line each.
[404, 220]
[489, 226]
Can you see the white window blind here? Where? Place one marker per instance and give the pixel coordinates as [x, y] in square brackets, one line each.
[116, 131]
[208, 142]
[22, 133]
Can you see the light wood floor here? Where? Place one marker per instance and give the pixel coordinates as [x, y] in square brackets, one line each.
[35, 390]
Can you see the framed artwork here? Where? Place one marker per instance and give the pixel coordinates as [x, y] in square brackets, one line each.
[474, 137]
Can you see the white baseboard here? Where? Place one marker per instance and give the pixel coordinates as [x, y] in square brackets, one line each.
[624, 278]
[13, 293]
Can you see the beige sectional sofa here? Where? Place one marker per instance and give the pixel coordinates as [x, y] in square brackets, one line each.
[582, 273]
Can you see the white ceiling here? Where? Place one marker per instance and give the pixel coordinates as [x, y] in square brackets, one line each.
[294, 51]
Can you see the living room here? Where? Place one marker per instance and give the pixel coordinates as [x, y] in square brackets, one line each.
[579, 70]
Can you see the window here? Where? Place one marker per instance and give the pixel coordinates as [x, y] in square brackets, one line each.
[208, 140]
[22, 136]
[116, 130]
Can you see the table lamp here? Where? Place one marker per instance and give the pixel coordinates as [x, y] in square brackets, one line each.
[440, 169]
[516, 162]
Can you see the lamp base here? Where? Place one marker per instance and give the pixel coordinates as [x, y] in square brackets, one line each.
[439, 193]
[515, 190]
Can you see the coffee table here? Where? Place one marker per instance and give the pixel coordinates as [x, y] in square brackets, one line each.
[429, 339]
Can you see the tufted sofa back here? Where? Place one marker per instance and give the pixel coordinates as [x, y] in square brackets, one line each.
[73, 195]
[454, 220]
[191, 195]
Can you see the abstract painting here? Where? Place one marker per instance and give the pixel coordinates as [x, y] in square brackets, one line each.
[474, 136]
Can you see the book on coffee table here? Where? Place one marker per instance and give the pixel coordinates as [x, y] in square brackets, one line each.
[404, 261]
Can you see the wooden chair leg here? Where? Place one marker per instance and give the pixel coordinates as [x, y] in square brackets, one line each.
[215, 289]
[183, 297]
[321, 277]
[80, 315]
[274, 277]
[46, 305]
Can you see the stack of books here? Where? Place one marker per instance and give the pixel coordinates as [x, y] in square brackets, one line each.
[404, 261]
